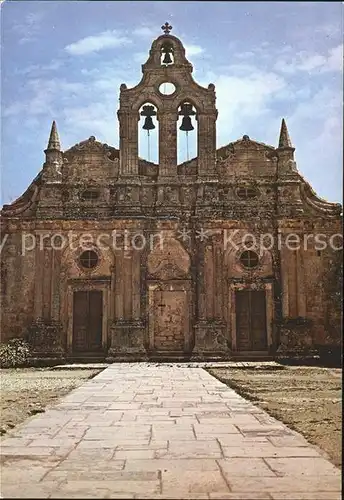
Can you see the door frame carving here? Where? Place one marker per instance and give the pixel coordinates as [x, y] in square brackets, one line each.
[170, 285]
[78, 285]
[269, 304]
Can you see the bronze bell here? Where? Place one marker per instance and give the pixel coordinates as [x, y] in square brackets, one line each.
[148, 124]
[148, 111]
[186, 111]
[167, 50]
[186, 125]
[167, 58]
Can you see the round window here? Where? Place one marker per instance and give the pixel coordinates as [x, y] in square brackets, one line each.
[249, 259]
[89, 259]
[167, 88]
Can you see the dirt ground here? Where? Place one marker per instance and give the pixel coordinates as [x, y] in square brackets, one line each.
[26, 391]
[307, 399]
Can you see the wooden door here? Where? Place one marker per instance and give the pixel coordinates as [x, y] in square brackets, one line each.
[87, 320]
[251, 331]
[170, 318]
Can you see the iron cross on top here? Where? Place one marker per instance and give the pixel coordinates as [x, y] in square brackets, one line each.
[166, 28]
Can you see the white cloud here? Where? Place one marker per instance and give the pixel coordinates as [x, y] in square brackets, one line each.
[244, 99]
[28, 29]
[140, 57]
[193, 50]
[46, 95]
[335, 59]
[145, 31]
[105, 40]
[54, 65]
[309, 62]
[320, 116]
[245, 55]
[96, 118]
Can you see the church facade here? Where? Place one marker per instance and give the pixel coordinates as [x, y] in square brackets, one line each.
[113, 256]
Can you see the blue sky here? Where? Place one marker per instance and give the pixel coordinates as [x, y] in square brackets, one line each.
[268, 60]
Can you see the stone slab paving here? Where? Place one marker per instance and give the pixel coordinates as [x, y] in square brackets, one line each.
[161, 431]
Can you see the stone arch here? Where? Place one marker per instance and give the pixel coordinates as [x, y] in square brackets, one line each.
[233, 267]
[178, 48]
[151, 98]
[185, 96]
[69, 261]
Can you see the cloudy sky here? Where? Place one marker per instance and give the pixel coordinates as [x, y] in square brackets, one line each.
[66, 61]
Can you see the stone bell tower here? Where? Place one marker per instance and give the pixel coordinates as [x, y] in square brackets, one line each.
[167, 64]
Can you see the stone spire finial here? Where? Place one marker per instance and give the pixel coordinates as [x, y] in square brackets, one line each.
[53, 158]
[284, 139]
[54, 140]
[166, 28]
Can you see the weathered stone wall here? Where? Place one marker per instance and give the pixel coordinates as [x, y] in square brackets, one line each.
[17, 287]
[243, 187]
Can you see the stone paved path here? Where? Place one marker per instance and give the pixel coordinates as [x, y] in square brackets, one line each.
[161, 431]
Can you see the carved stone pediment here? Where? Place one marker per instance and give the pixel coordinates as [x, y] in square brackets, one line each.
[169, 261]
[246, 143]
[168, 270]
[92, 146]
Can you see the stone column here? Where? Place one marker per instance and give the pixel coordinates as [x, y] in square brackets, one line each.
[112, 293]
[119, 287]
[201, 299]
[232, 317]
[209, 281]
[9, 311]
[39, 263]
[128, 135]
[301, 296]
[127, 284]
[136, 285]
[167, 144]
[127, 330]
[210, 337]
[56, 285]
[285, 282]
[218, 282]
[206, 146]
[47, 264]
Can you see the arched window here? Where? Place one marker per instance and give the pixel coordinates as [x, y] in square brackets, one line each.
[148, 133]
[186, 132]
